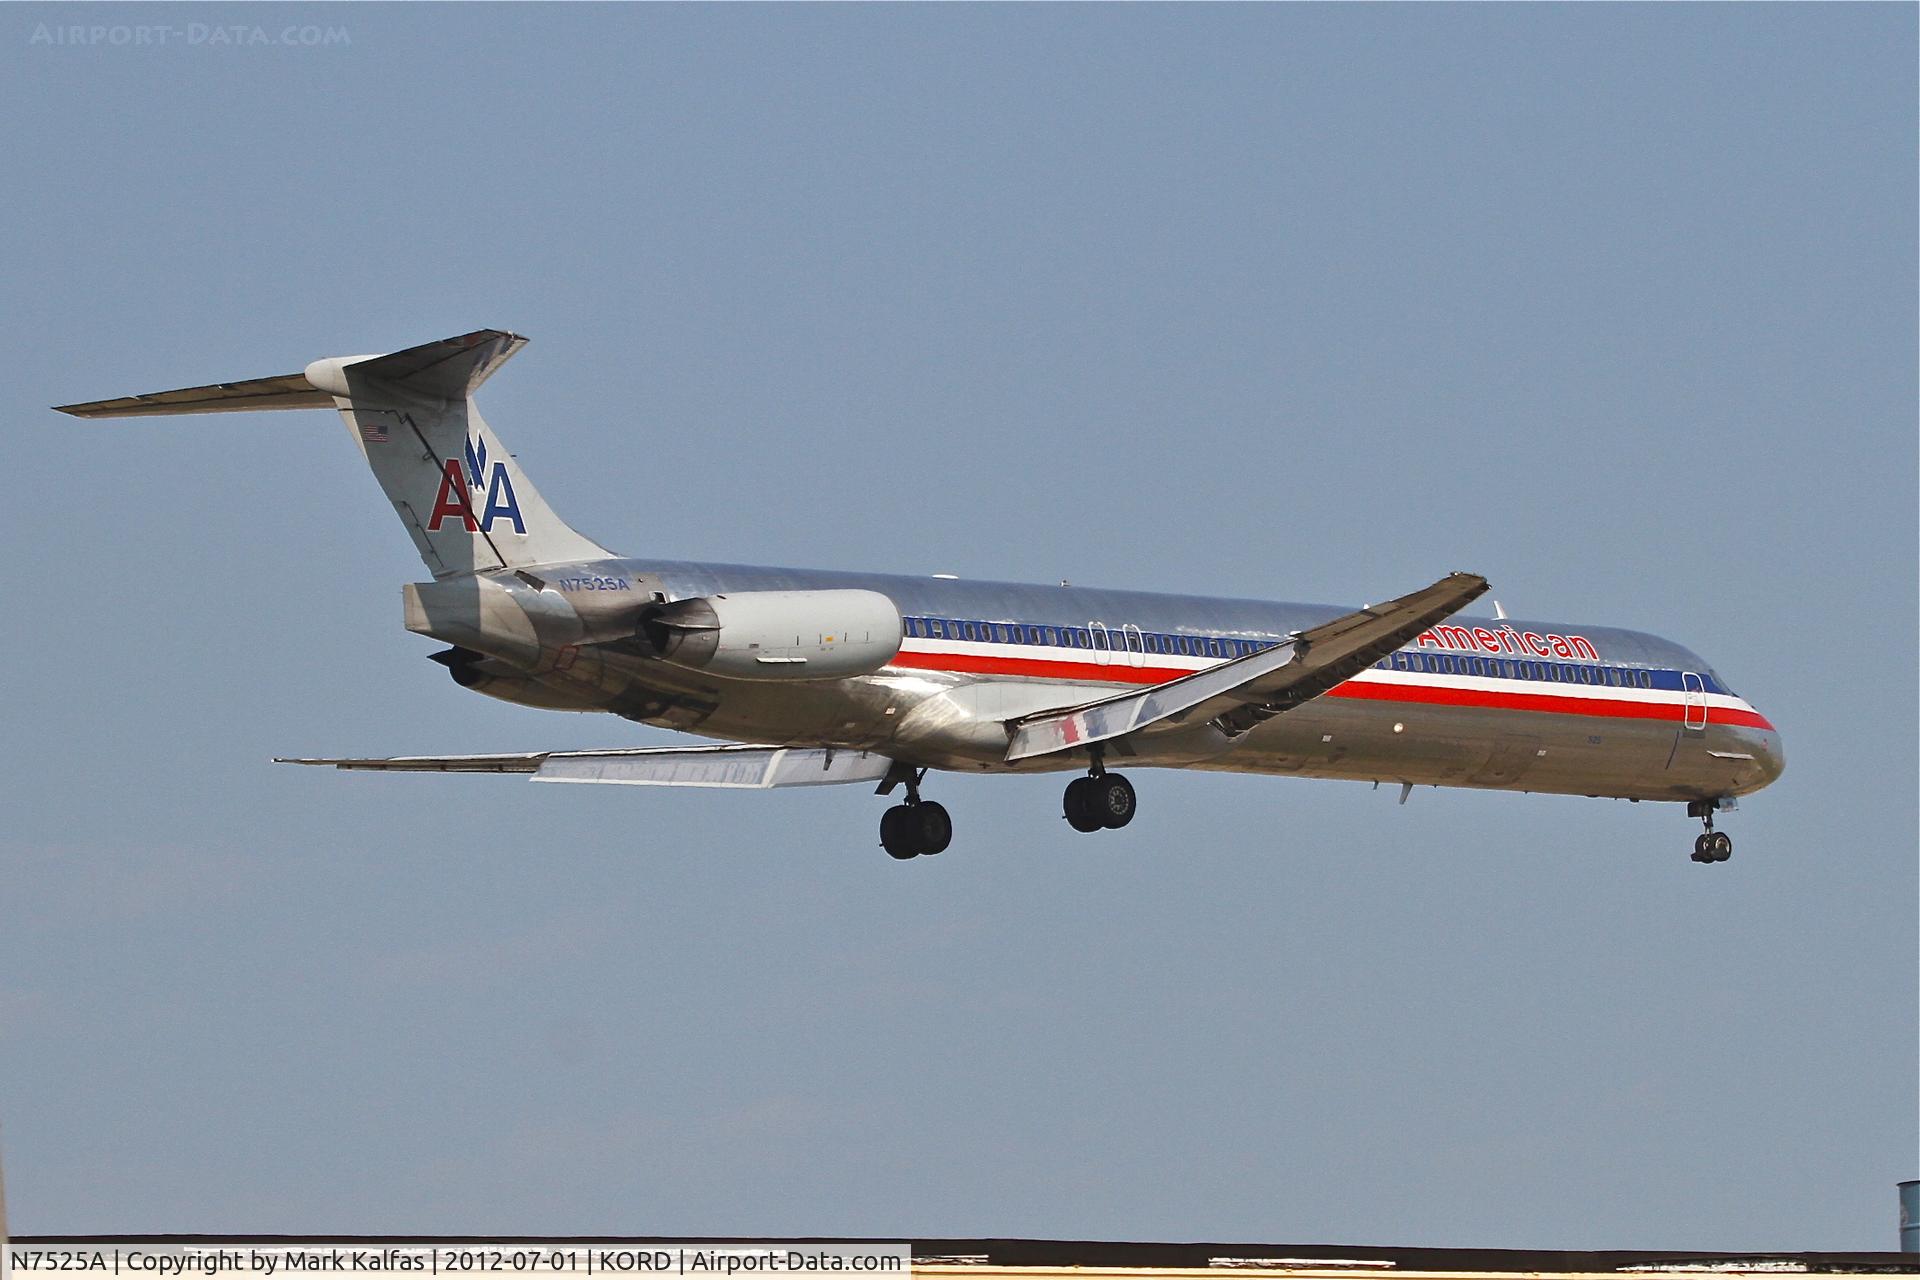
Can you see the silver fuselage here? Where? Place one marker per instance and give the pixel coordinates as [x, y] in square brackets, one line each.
[1491, 703]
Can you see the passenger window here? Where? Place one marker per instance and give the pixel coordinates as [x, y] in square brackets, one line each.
[935, 630]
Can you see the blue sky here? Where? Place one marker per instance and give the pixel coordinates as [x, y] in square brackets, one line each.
[1613, 305]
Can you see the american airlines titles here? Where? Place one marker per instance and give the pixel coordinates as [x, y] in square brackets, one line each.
[1507, 640]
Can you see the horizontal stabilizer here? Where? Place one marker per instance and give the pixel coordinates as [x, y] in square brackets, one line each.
[447, 369]
[737, 767]
[1238, 695]
[287, 391]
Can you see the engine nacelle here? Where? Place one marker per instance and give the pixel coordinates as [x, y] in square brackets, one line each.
[777, 635]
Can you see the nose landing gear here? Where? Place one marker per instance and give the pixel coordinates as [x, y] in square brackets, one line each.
[1710, 845]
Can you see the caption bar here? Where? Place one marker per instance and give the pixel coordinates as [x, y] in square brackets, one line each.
[165, 1261]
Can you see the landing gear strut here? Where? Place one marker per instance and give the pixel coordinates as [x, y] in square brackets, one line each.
[1101, 800]
[916, 827]
[1710, 845]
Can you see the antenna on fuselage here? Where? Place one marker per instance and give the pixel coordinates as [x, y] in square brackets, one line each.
[1499, 613]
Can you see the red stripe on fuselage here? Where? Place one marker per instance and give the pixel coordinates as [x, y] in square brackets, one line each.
[1558, 703]
[1419, 694]
[995, 665]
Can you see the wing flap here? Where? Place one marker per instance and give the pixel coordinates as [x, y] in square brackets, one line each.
[736, 767]
[1051, 731]
[1240, 694]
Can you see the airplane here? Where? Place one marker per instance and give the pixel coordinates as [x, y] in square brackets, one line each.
[809, 678]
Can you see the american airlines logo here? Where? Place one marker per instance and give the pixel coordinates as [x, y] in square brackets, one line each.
[466, 478]
[1508, 640]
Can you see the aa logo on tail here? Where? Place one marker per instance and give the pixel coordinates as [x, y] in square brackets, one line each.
[463, 478]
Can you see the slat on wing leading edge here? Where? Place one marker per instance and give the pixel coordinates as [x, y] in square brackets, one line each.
[524, 762]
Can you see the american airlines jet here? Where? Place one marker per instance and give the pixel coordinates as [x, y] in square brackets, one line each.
[812, 677]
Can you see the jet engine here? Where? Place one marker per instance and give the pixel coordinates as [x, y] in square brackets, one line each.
[777, 635]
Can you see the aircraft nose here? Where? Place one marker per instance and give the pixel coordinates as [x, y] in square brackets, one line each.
[1770, 755]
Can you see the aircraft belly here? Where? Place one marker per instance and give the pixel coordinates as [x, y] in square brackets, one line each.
[1468, 747]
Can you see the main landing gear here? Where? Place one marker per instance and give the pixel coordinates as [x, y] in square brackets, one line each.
[916, 827]
[1711, 845]
[1099, 801]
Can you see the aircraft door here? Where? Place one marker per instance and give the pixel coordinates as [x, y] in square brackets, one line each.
[1135, 645]
[1694, 715]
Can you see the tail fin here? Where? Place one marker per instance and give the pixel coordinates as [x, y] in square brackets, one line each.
[461, 495]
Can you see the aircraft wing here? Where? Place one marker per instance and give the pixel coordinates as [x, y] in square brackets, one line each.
[1239, 694]
[741, 767]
